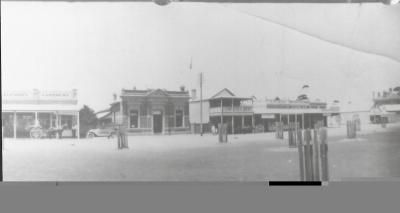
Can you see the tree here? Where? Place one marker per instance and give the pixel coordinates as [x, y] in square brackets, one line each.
[87, 120]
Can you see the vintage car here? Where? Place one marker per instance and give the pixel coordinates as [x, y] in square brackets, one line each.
[109, 132]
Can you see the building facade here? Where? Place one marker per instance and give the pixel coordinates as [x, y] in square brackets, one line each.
[224, 106]
[23, 110]
[154, 111]
[306, 113]
[386, 107]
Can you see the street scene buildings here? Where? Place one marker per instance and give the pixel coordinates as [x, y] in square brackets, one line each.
[37, 114]
[198, 92]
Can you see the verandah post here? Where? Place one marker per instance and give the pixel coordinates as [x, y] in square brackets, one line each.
[316, 155]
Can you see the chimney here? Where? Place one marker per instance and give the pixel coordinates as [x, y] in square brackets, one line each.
[134, 87]
[182, 88]
[115, 96]
[194, 94]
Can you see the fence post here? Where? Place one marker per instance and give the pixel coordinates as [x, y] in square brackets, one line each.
[301, 155]
[308, 156]
[226, 133]
[222, 134]
[324, 155]
[119, 140]
[316, 155]
[124, 140]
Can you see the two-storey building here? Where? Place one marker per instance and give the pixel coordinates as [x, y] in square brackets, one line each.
[224, 106]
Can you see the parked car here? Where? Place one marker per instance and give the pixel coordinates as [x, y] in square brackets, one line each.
[109, 132]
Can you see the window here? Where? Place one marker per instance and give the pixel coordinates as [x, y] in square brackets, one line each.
[178, 118]
[133, 119]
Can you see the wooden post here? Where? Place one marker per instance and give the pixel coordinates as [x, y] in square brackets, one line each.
[201, 104]
[316, 155]
[290, 138]
[15, 124]
[324, 155]
[222, 118]
[78, 132]
[301, 154]
[222, 133]
[119, 137]
[295, 128]
[307, 155]
[225, 133]
[355, 129]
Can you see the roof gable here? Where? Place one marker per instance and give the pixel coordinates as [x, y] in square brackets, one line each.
[223, 93]
[157, 93]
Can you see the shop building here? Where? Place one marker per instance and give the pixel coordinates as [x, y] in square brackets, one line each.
[236, 112]
[153, 111]
[23, 110]
[307, 113]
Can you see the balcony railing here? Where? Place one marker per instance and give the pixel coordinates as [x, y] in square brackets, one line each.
[235, 109]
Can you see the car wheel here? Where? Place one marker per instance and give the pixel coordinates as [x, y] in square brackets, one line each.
[90, 135]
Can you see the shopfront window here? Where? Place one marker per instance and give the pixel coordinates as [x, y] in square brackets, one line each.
[66, 121]
[45, 120]
[7, 122]
[25, 122]
[133, 118]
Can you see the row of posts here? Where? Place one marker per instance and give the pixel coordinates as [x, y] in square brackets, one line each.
[312, 149]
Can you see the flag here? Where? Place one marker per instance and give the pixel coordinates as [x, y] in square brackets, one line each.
[305, 86]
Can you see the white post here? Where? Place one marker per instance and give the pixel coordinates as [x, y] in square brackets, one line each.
[233, 122]
[201, 104]
[36, 118]
[78, 126]
[51, 120]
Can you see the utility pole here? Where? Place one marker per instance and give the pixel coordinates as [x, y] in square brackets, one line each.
[201, 103]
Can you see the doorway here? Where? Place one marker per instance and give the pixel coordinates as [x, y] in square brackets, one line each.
[157, 123]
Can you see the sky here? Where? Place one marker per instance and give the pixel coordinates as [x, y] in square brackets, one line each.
[342, 51]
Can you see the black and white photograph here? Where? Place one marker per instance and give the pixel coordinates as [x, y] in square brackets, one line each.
[200, 91]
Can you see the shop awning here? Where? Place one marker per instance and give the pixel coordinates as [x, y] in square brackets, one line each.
[40, 107]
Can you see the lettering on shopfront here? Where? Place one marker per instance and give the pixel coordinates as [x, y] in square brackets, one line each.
[39, 95]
